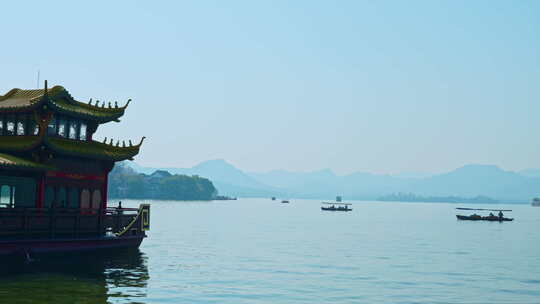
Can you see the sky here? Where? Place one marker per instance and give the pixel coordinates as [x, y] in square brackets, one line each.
[374, 86]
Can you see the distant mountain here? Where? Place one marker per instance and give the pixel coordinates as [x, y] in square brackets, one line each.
[469, 181]
[221, 171]
[228, 179]
[408, 197]
[296, 180]
[413, 175]
[530, 172]
[474, 180]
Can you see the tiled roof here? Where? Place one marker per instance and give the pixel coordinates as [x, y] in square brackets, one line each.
[9, 161]
[89, 149]
[18, 98]
[18, 143]
[59, 99]
[92, 149]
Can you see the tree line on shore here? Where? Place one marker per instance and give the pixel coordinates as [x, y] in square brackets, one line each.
[124, 182]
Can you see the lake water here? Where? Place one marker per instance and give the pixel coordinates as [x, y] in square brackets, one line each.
[259, 251]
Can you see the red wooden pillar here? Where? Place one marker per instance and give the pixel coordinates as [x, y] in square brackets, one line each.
[105, 189]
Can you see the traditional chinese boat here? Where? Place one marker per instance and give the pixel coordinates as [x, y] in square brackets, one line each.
[53, 176]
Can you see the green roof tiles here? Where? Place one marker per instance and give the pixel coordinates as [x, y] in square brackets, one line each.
[9, 161]
[18, 143]
[59, 99]
[18, 98]
[88, 111]
[91, 149]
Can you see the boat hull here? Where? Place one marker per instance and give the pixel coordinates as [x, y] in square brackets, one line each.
[484, 218]
[335, 209]
[44, 246]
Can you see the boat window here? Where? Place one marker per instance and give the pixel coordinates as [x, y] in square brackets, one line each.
[73, 198]
[5, 195]
[33, 127]
[62, 198]
[51, 128]
[10, 126]
[85, 199]
[49, 196]
[72, 130]
[62, 127]
[82, 131]
[20, 126]
[96, 199]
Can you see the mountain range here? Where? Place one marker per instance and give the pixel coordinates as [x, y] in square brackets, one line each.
[467, 181]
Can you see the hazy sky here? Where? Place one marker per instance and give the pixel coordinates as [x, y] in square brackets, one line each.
[378, 86]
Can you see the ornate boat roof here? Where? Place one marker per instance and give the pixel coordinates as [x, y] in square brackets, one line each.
[92, 149]
[58, 100]
[86, 149]
[61, 101]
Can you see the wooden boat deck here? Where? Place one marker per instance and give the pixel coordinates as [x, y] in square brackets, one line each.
[57, 229]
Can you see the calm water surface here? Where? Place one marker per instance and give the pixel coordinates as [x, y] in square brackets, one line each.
[259, 251]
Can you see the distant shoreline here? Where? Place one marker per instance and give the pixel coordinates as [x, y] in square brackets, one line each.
[113, 199]
[411, 197]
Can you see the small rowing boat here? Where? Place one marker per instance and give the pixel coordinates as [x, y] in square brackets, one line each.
[339, 207]
[490, 218]
[476, 217]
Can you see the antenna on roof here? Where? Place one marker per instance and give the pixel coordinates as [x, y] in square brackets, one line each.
[37, 83]
[46, 93]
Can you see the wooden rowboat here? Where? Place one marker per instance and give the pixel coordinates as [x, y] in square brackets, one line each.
[476, 217]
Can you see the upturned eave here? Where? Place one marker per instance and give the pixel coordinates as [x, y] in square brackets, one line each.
[91, 149]
[59, 100]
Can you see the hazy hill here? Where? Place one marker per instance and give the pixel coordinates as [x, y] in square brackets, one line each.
[468, 182]
[530, 172]
[227, 179]
[473, 180]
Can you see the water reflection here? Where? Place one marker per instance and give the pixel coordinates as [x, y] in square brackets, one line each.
[120, 277]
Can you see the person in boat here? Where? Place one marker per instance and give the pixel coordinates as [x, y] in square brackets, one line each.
[501, 215]
[491, 214]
